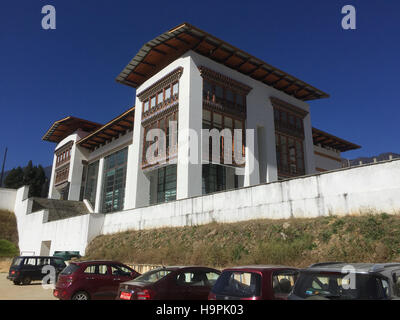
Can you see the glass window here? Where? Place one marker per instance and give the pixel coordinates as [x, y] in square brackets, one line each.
[102, 269]
[219, 91]
[167, 93]
[228, 122]
[153, 102]
[238, 284]
[153, 275]
[91, 182]
[213, 178]
[146, 106]
[120, 271]
[217, 120]
[114, 181]
[283, 282]
[239, 99]
[230, 96]
[160, 98]
[166, 184]
[175, 88]
[193, 279]
[90, 269]
[207, 90]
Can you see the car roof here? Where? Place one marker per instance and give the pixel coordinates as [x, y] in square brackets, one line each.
[97, 262]
[183, 267]
[358, 267]
[261, 268]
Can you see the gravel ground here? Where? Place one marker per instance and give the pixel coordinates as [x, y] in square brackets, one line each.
[34, 291]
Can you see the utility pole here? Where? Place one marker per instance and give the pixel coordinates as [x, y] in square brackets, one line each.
[2, 168]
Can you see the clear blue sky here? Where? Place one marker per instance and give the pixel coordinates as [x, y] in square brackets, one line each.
[47, 75]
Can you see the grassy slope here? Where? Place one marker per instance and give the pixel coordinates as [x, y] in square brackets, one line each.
[8, 234]
[297, 242]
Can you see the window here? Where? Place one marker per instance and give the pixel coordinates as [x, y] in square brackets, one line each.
[102, 269]
[114, 181]
[153, 102]
[207, 90]
[153, 276]
[90, 269]
[146, 106]
[120, 271]
[30, 262]
[289, 155]
[213, 178]
[283, 282]
[167, 93]
[193, 279]
[166, 184]
[238, 284]
[91, 182]
[175, 88]
[160, 98]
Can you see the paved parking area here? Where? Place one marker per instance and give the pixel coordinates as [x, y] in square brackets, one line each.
[34, 291]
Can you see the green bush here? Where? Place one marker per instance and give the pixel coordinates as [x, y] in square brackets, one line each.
[8, 249]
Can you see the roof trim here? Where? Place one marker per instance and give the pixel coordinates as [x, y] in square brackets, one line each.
[213, 48]
[329, 140]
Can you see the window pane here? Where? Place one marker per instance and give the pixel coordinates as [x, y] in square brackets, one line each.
[230, 96]
[175, 88]
[153, 102]
[160, 97]
[217, 121]
[167, 93]
[146, 105]
[219, 92]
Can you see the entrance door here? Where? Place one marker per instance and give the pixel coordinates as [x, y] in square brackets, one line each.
[45, 248]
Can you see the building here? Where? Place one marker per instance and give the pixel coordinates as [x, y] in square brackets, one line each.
[197, 81]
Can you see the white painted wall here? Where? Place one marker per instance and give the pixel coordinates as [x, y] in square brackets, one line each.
[368, 188]
[327, 163]
[7, 199]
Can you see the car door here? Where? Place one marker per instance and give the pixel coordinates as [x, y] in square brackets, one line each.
[96, 281]
[29, 268]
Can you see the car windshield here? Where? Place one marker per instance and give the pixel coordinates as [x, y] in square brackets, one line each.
[70, 269]
[238, 284]
[339, 286]
[153, 276]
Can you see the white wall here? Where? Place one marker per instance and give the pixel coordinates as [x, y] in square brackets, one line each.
[327, 162]
[369, 188]
[7, 199]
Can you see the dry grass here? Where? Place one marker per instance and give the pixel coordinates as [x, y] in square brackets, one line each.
[297, 242]
[5, 265]
[8, 227]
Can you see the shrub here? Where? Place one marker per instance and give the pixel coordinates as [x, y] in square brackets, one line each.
[8, 249]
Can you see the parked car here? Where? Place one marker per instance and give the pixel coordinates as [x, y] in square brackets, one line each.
[97, 280]
[25, 269]
[254, 283]
[67, 255]
[346, 281]
[170, 283]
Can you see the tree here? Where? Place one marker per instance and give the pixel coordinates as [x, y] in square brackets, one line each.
[32, 176]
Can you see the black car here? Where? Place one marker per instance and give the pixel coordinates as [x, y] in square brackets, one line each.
[25, 269]
[348, 281]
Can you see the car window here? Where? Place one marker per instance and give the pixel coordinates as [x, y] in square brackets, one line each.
[212, 277]
[193, 278]
[90, 269]
[120, 270]
[283, 282]
[238, 284]
[153, 275]
[30, 261]
[102, 269]
[385, 287]
[396, 282]
[43, 261]
[17, 261]
[70, 269]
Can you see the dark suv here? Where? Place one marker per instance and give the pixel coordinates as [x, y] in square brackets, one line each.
[348, 281]
[25, 269]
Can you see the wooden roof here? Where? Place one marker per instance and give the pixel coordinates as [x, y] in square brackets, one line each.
[112, 129]
[64, 127]
[329, 140]
[159, 52]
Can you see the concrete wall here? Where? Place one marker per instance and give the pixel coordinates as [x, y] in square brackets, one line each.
[356, 190]
[7, 199]
[347, 191]
[326, 159]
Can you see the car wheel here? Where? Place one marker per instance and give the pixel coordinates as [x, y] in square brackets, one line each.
[81, 295]
[26, 281]
[17, 282]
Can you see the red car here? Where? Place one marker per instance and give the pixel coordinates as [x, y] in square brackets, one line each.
[97, 280]
[170, 283]
[254, 283]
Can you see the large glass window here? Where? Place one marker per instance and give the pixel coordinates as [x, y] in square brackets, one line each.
[166, 184]
[91, 182]
[114, 181]
[214, 178]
